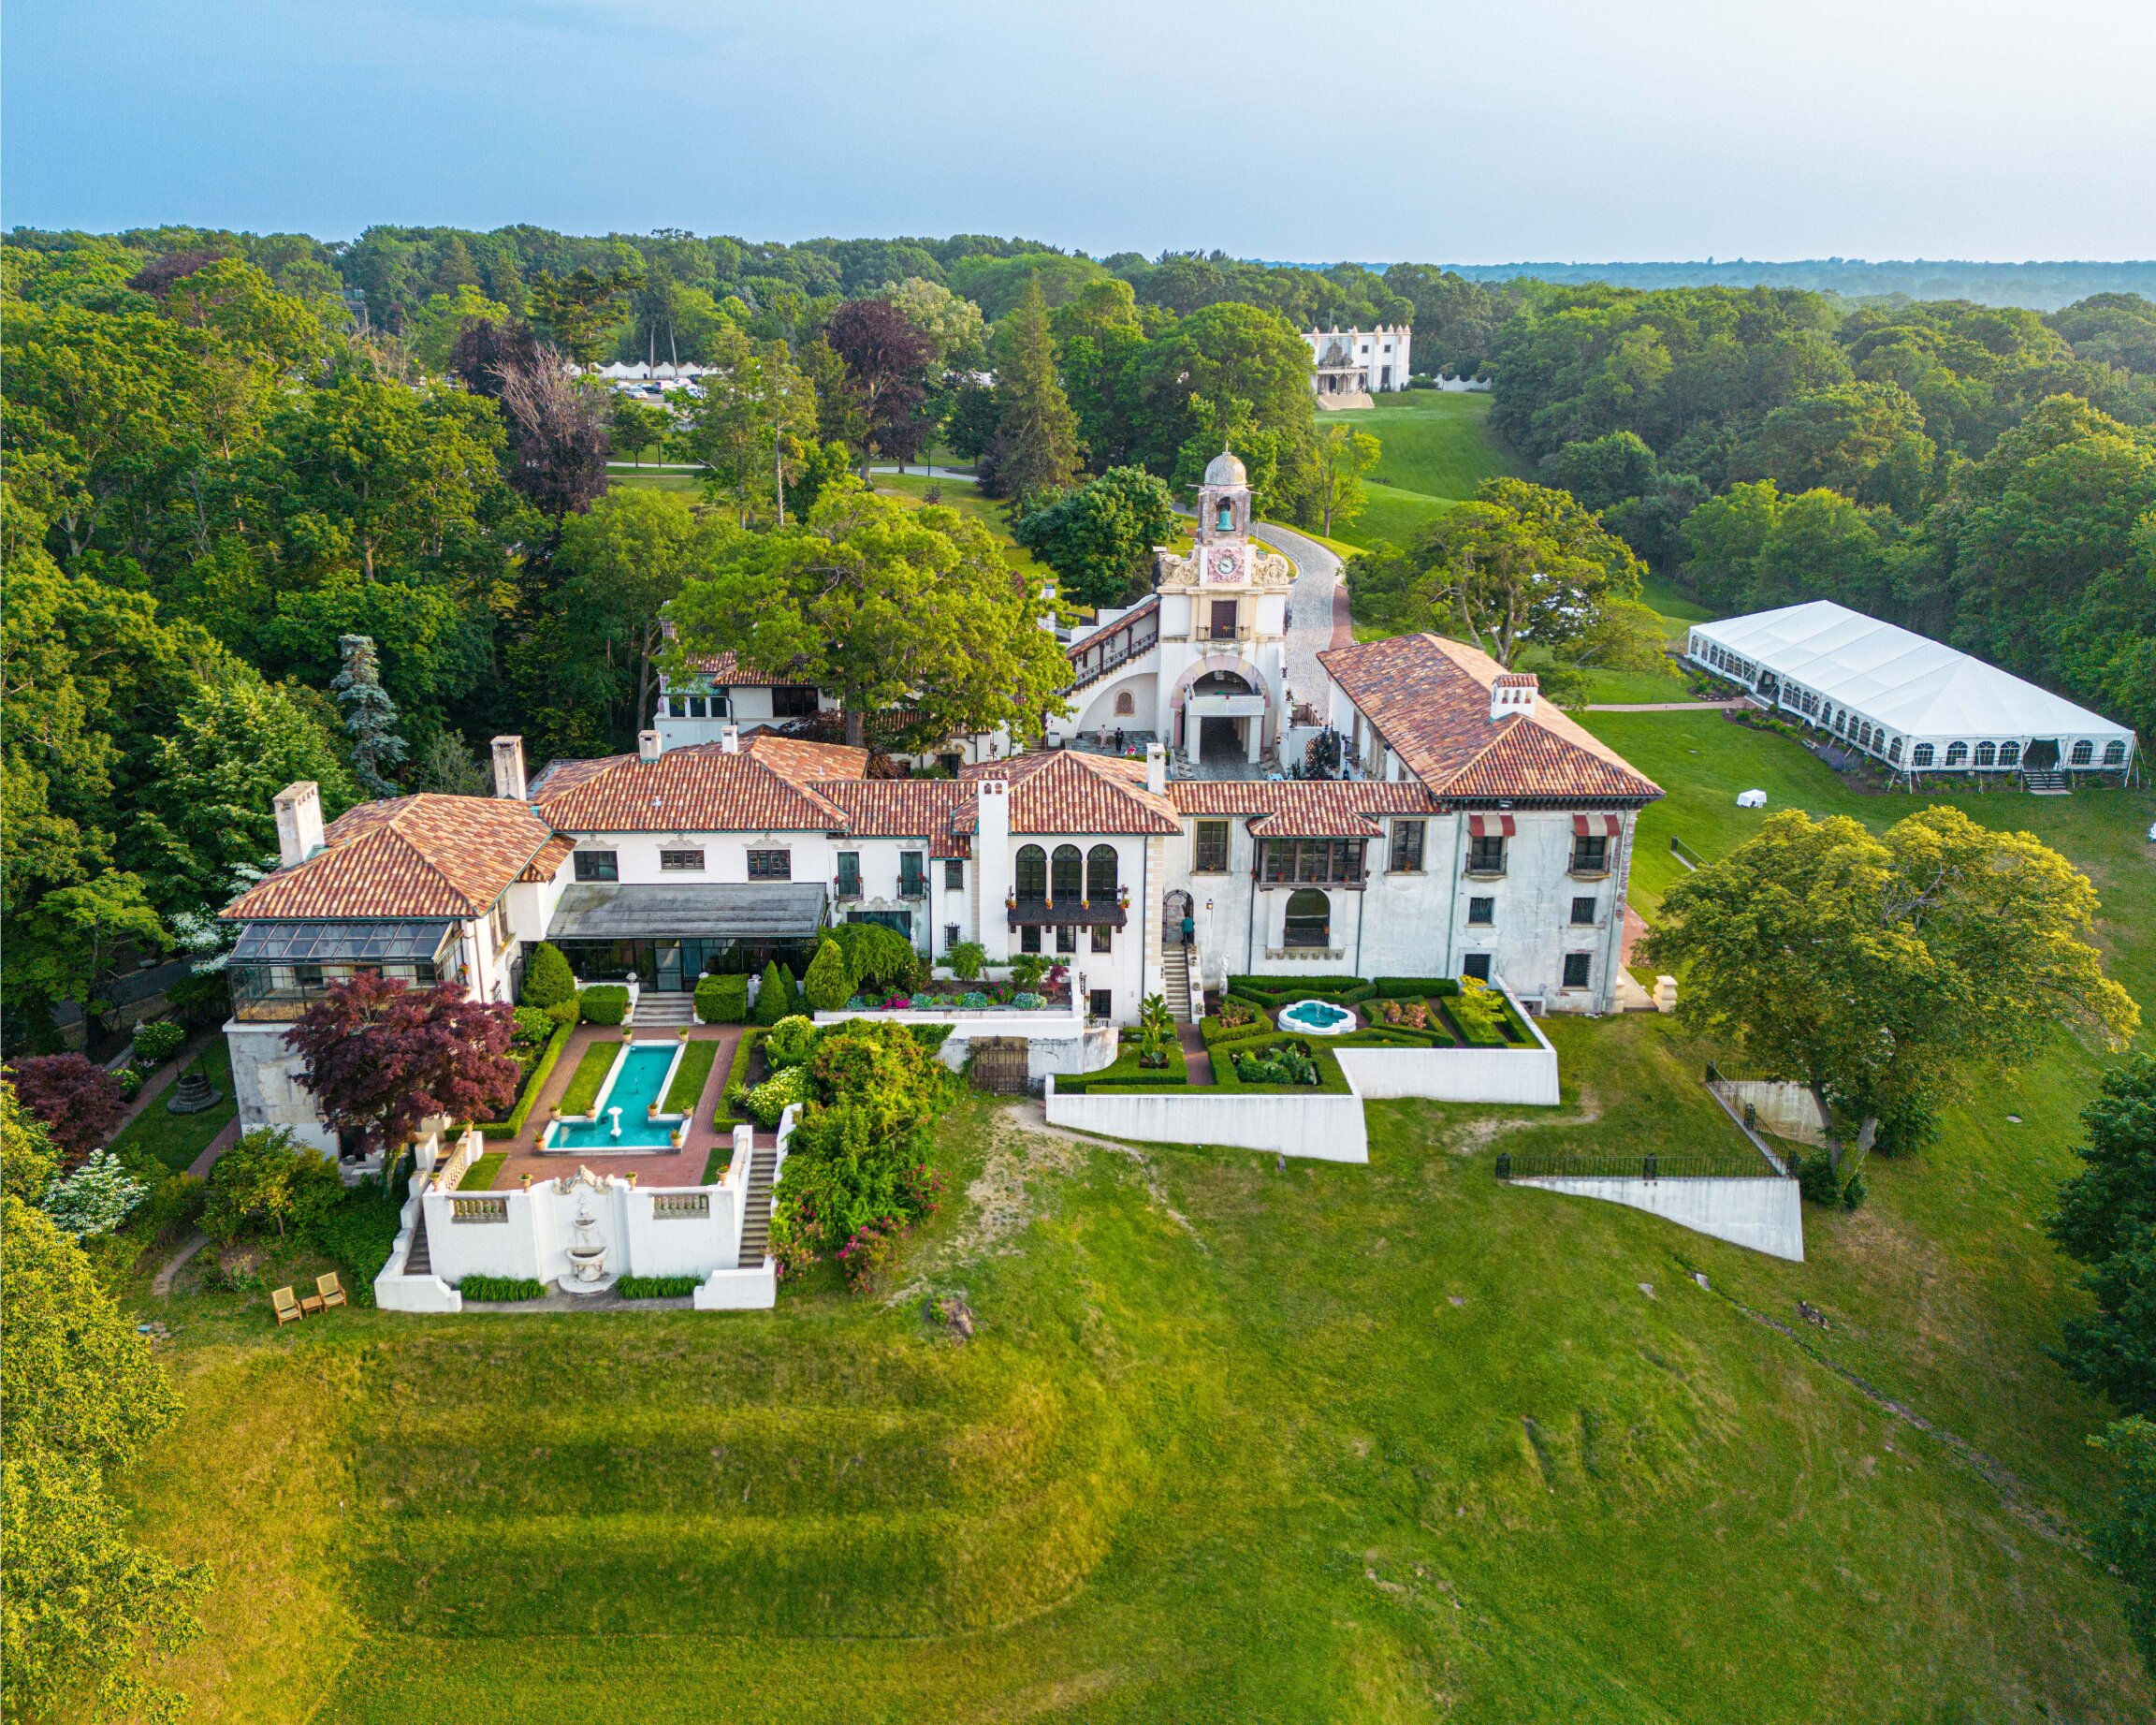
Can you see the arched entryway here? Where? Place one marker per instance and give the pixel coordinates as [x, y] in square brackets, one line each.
[1199, 735]
[1309, 919]
[1174, 911]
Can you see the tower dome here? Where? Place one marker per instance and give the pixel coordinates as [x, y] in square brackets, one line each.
[1224, 469]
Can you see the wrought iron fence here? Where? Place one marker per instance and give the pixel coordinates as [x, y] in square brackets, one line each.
[1532, 1166]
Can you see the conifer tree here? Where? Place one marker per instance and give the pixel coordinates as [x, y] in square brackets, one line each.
[370, 714]
[1035, 448]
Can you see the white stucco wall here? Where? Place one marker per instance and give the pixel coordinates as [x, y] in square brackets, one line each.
[1527, 1075]
[265, 1086]
[1763, 1215]
[1321, 1127]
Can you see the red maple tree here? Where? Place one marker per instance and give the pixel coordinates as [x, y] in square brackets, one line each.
[381, 1056]
[79, 1101]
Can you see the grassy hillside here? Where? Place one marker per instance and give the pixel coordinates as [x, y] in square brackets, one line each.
[1439, 448]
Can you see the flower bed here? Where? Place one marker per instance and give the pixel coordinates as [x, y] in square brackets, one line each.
[1126, 1073]
[1330, 1080]
[501, 1290]
[657, 1287]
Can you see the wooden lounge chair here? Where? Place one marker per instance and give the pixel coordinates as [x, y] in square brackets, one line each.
[287, 1307]
[330, 1289]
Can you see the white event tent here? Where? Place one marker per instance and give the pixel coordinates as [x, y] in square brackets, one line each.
[1904, 698]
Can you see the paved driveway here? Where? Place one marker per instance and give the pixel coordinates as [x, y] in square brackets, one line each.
[1319, 606]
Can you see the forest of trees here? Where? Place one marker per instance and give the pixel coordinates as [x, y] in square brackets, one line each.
[275, 509]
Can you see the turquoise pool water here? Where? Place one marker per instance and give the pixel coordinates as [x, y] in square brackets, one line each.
[635, 1087]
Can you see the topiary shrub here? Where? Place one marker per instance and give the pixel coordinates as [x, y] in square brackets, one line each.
[774, 997]
[155, 1044]
[966, 960]
[792, 1041]
[828, 985]
[604, 1003]
[548, 979]
[722, 1000]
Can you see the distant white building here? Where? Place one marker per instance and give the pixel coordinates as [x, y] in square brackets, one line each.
[1360, 361]
[1906, 700]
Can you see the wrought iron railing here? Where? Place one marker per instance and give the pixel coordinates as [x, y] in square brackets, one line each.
[1537, 1164]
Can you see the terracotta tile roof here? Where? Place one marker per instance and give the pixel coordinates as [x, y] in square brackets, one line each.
[1305, 808]
[898, 808]
[424, 855]
[552, 855]
[1430, 699]
[1062, 790]
[728, 670]
[801, 760]
[699, 789]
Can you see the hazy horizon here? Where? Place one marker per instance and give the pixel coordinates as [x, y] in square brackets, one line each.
[1671, 131]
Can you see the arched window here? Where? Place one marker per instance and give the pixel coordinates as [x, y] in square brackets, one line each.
[2084, 752]
[1309, 919]
[1032, 872]
[1840, 718]
[1864, 735]
[1100, 874]
[2114, 754]
[1067, 877]
[1894, 750]
[2009, 754]
[1921, 755]
[1956, 755]
[1987, 754]
[1126, 705]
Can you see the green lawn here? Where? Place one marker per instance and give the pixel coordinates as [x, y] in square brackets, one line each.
[582, 1090]
[177, 1139]
[690, 1077]
[1437, 448]
[652, 479]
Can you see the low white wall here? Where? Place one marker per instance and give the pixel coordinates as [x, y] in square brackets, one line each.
[1779, 1105]
[1765, 1215]
[394, 1290]
[532, 1238]
[755, 1290]
[1322, 1127]
[1454, 1075]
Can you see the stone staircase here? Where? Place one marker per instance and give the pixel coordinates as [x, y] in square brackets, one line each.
[665, 1012]
[417, 1260]
[756, 1209]
[1175, 980]
[2053, 784]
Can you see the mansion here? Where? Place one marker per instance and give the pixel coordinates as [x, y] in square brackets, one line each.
[1475, 831]
[1351, 362]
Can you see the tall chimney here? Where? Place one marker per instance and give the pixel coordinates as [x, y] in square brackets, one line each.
[992, 863]
[646, 745]
[1157, 769]
[730, 740]
[509, 768]
[299, 823]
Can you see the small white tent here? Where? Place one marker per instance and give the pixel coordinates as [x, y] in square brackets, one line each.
[1905, 699]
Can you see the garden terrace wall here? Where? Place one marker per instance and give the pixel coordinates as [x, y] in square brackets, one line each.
[1765, 1215]
[1059, 1039]
[1500, 1074]
[1307, 1123]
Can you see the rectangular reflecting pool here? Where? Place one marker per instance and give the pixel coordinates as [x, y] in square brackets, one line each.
[638, 1080]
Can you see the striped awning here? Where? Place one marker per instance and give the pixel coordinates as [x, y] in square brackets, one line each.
[1609, 826]
[1491, 825]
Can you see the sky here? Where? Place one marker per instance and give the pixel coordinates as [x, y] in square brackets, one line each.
[1377, 130]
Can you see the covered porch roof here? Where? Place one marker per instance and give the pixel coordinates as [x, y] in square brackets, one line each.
[756, 911]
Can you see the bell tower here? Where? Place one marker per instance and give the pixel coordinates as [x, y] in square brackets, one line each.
[1223, 548]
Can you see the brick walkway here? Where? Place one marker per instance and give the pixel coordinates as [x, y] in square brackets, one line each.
[1195, 1055]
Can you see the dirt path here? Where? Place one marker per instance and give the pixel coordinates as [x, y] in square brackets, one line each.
[161, 1284]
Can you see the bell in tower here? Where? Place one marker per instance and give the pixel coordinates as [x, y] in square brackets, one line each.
[1223, 498]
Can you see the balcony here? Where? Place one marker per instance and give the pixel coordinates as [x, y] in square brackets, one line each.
[1065, 912]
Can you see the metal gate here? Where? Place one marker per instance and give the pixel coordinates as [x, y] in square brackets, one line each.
[1000, 1065]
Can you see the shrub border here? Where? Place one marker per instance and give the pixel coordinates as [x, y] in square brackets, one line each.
[521, 1113]
[1125, 1072]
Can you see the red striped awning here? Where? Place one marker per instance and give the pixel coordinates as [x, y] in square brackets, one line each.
[1491, 825]
[1609, 826]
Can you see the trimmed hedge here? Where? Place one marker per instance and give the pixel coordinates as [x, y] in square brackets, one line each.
[1212, 1029]
[722, 1000]
[737, 1077]
[547, 978]
[1126, 1073]
[690, 1077]
[1332, 1081]
[541, 1070]
[657, 1287]
[605, 1003]
[583, 1092]
[496, 1290]
[1414, 988]
[1279, 992]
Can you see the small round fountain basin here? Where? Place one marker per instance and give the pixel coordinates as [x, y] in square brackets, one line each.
[1317, 1018]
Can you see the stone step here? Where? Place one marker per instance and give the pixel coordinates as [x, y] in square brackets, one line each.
[417, 1261]
[664, 1009]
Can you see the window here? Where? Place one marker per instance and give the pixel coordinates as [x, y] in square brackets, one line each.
[1100, 1003]
[681, 862]
[1032, 876]
[499, 922]
[1475, 964]
[1322, 861]
[1956, 755]
[698, 706]
[1209, 852]
[2009, 754]
[1576, 966]
[1103, 938]
[912, 883]
[950, 935]
[1921, 755]
[1864, 735]
[954, 874]
[597, 866]
[1486, 855]
[1841, 719]
[849, 874]
[1582, 913]
[793, 701]
[2114, 754]
[1986, 754]
[1309, 919]
[1126, 705]
[1067, 874]
[1894, 750]
[1591, 853]
[2084, 752]
[1481, 913]
[1100, 877]
[1029, 938]
[1407, 847]
[770, 864]
[1066, 937]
